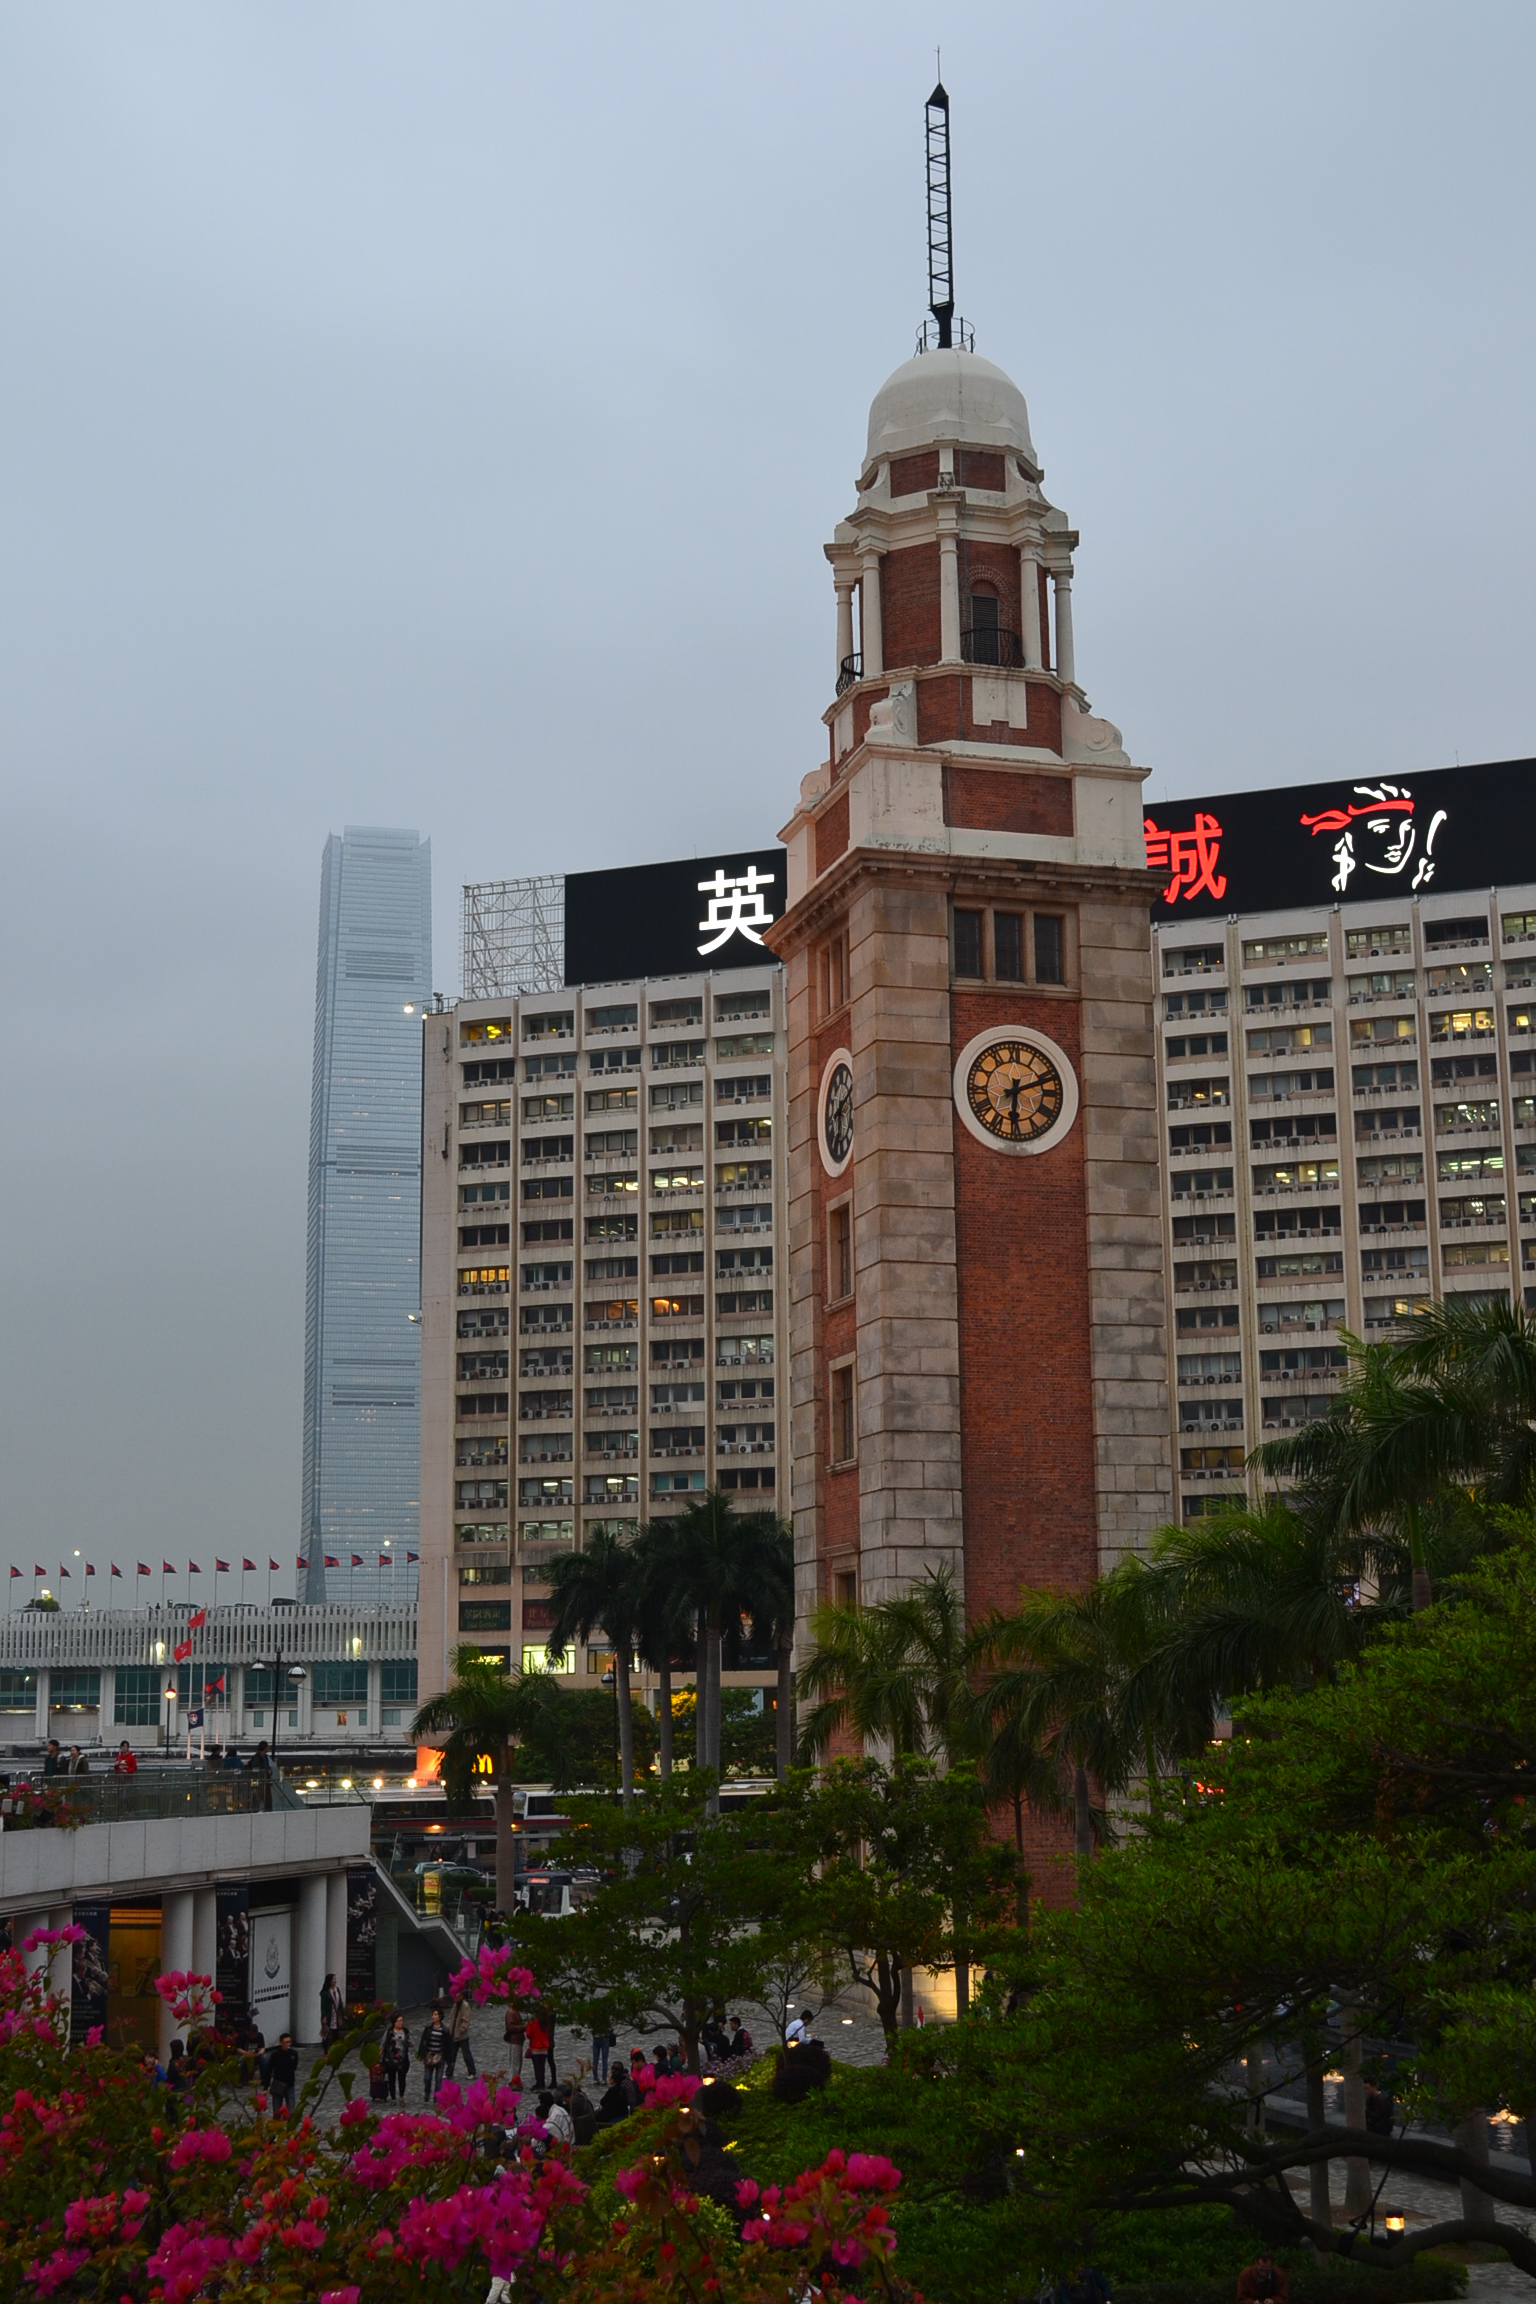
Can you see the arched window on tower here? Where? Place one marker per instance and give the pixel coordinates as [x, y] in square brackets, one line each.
[986, 639]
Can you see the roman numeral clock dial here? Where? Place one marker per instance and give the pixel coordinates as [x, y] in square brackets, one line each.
[1015, 1090]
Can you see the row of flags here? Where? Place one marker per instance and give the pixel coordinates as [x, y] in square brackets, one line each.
[223, 1568]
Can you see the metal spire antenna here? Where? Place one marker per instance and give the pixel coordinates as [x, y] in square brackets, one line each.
[941, 281]
[943, 332]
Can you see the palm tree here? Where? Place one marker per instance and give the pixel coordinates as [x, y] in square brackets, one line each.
[1259, 1596]
[601, 1589]
[899, 1671]
[1066, 1676]
[483, 1715]
[1448, 1404]
[664, 1621]
[728, 1566]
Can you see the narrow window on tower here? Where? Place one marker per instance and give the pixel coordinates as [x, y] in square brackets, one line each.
[842, 1414]
[845, 1587]
[1008, 947]
[984, 635]
[840, 1251]
[834, 974]
[1050, 944]
[968, 943]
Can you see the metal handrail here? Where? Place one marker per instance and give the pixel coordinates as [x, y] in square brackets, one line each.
[992, 644]
[850, 671]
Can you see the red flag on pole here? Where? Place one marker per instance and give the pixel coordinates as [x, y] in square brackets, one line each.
[357, 1559]
[302, 1563]
[15, 1571]
[410, 1556]
[143, 1571]
[166, 1569]
[330, 1563]
[271, 1565]
[221, 1567]
[386, 1559]
[90, 1571]
[39, 1571]
[182, 1651]
[117, 1572]
[63, 1571]
[248, 1564]
[193, 1568]
[195, 1623]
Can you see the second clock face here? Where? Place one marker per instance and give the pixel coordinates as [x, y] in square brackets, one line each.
[1015, 1090]
[835, 1116]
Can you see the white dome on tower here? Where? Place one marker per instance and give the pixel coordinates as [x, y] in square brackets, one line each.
[948, 395]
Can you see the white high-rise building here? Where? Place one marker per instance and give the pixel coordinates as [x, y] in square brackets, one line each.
[603, 1313]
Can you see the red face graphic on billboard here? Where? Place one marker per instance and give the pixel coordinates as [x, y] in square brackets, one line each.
[1378, 833]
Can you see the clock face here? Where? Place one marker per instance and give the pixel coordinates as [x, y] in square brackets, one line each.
[835, 1130]
[1016, 1090]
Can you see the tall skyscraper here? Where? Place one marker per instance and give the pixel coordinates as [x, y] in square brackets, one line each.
[362, 1353]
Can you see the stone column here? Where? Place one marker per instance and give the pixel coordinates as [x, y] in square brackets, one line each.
[949, 598]
[869, 615]
[336, 1928]
[1065, 663]
[205, 1931]
[1029, 607]
[309, 1946]
[176, 1917]
[844, 588]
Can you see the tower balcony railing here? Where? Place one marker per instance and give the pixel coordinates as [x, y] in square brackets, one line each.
[992, 644]
[850, 671]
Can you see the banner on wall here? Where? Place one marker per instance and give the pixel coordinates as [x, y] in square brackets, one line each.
[90, 1972]
[271, 1973]
[362, 1937]
[232, 1954]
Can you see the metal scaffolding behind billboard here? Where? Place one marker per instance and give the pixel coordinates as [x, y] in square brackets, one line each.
[513, 936]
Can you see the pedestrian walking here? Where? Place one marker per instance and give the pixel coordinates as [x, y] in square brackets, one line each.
[331, 2010]
[77, 1764]
[740, 2042]
[53, 1765]
[395, 2057]
[431, 2054]
[603, 2045]
[458, 2036]
[541, 2047]
[125, 1763]
[515, 2034]
[282, 2073]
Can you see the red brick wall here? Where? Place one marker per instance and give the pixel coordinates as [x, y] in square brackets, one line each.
[915, 475]
[831, 833]
[982, 468]
[909, 606]
[944, 716]
[1007, 800]
[1026, 1396]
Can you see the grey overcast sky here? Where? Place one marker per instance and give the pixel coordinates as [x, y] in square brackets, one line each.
[433, 415]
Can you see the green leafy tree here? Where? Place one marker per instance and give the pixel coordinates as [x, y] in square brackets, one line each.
[908, 1874]
[1363, 1844]
[680, 1920]
[665, 1623]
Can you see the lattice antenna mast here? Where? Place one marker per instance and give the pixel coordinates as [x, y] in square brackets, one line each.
[941, 277]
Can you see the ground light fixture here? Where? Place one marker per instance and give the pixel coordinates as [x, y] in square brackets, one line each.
[1396, 2223]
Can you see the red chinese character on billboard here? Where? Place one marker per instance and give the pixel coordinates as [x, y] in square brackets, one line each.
[1190, 858]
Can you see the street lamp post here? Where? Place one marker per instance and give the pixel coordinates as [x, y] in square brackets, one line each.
[297, 1676]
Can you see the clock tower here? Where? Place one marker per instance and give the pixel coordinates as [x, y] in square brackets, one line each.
[978, 1371]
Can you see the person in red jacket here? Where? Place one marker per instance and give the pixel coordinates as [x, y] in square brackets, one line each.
[1263, 2282]
[541, 2047]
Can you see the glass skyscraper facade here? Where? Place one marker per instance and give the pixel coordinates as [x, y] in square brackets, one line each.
[362, 1344]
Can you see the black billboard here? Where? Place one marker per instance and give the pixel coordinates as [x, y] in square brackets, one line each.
[703, 912]
[1345, 842]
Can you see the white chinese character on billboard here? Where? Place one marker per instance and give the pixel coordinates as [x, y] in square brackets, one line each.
[1382, 822]
[736, 907]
